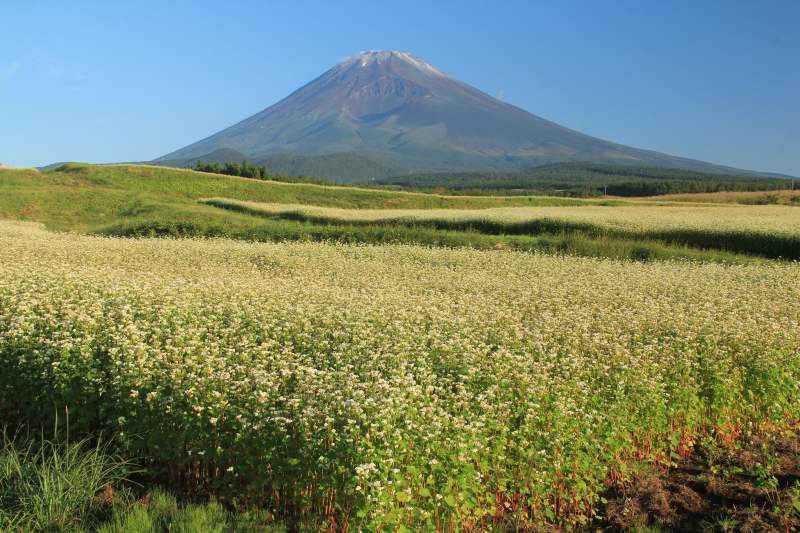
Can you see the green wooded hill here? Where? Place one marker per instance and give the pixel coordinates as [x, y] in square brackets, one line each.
[561, 179]
[586, 179]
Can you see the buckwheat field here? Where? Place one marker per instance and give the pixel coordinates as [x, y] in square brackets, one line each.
[393, 387]
[764, 219]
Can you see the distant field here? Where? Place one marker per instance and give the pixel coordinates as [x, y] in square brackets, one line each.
[771, 231]
[783, 197]
[399, 388]
[635, 217]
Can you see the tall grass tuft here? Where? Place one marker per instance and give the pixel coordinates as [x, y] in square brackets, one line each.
[52, 486]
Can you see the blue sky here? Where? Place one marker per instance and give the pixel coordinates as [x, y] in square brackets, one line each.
[125, 81]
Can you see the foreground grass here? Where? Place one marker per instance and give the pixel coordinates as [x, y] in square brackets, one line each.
[392, 387]
[53, 486]
[75, 486]
[62, 486]
[159, 511]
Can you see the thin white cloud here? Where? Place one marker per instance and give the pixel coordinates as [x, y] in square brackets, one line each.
[8, 72]
[44, 64]
[54, 68]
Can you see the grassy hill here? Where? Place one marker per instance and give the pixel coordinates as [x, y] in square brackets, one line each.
[139, 200]
[82, 197]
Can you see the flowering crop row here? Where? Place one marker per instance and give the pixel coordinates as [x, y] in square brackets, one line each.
[645, 216]
[391, 386]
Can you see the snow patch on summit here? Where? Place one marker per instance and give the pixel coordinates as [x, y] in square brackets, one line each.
[368, 57]
[420, 64]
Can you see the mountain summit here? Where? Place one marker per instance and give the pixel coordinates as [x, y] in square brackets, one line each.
[401, 111]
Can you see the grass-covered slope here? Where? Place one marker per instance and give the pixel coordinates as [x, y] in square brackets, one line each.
[137, 200]
[82, 197]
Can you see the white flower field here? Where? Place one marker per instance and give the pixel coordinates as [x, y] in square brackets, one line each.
[393, 386]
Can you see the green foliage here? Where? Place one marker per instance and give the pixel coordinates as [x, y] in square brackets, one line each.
[336, 167]
[244, 169]
[135, 520]
[283, 230]
[586, 180]
[160, 512]
[56, 485]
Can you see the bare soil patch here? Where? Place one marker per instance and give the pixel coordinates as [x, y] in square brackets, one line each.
[748, 490]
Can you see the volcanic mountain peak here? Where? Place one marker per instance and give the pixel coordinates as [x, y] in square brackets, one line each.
[403, 112]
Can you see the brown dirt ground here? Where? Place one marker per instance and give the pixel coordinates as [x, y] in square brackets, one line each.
[728, 496]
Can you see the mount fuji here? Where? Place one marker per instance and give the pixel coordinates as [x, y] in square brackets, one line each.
[402, 113]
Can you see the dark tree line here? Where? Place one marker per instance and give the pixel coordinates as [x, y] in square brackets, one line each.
[577, 180]
[655, 188]
[585, 179]
[245, 169]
